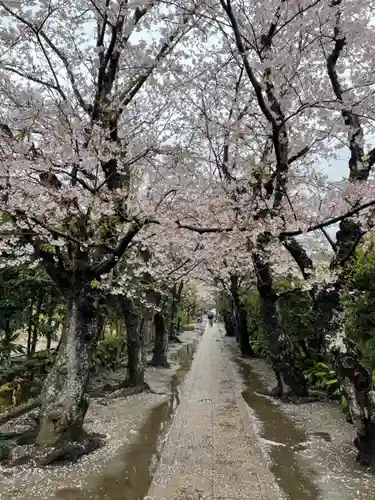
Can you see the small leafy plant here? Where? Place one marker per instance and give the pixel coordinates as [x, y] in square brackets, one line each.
[259, 346]
[9, 347]
[106, 353]
[322, 376]
[5, 449]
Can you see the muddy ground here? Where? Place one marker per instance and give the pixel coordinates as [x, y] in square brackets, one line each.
[134, 426]
[309, 446]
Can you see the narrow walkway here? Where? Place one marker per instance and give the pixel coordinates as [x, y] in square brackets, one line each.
[211, 451]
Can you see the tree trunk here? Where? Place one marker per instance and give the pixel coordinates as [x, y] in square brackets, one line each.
[30, 331]
[64, 395]
[176, 297]
[241, 315]
[159, 357]
[356, 383]
[246, 349]
[148, 317]
[234, 319]
[229, 324]
[136, 368]
[354, 379]
[290, 379]
[36, 324]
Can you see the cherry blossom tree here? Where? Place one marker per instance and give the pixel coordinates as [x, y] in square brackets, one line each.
[295, 88]
[143, 141]
[87, 101]
[275, 109]
[149, 284]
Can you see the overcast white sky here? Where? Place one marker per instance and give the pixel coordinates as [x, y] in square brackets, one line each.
[338, 168]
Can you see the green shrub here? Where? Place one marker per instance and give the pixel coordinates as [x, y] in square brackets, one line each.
[296, 315]
[358, 303]
[188, 328]
[106, 352]
[257, 332]
[322, 376]
[5, 449]
[260, 347]
[181, 317]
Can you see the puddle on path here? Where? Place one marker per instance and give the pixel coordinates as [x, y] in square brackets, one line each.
[129, 476]
[286, 439]
[313, 463]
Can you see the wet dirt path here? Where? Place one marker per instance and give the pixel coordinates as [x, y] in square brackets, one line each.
[129, 476]
[281, 438]
[135, 428]
[309, 445]
[307, 448]
[212, 451]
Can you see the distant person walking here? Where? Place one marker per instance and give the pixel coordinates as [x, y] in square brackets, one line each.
[211, 317]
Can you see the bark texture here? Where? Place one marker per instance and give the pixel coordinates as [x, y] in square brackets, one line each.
[241, 319]
[135, 344]
[176, 293]
[229, 323]
[356, 383]
[64, 398]
[290, 379]
[159, 357]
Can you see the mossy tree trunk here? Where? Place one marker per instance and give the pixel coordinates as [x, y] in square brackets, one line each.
[290, 379]
[146, 326]
[356, 383]
[159, 357]
[241, 318]
[136, 368]
[64, 395]
[176, 293]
